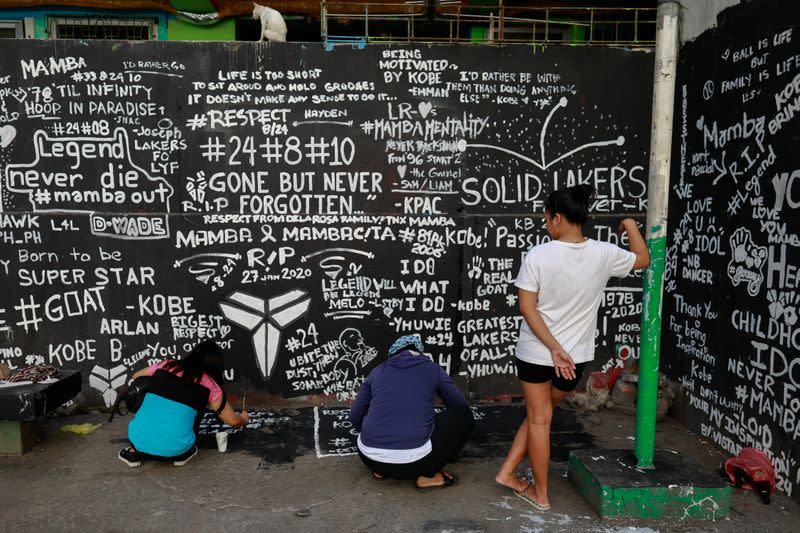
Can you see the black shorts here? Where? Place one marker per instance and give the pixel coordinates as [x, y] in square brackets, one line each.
[530, 373]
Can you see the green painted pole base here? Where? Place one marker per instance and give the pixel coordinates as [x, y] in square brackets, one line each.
[679, 489]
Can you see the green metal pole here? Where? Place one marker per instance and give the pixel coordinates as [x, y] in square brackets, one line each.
[649, 353]
[656, 232]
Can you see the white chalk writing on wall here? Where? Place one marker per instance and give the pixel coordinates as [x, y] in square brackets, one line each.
[301, 215]
[731, 335]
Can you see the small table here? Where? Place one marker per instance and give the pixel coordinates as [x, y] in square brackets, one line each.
[20, 405]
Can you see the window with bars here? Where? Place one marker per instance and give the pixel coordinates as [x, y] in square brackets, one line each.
[11, 29]
[101, 28]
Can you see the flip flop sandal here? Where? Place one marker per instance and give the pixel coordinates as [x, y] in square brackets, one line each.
[449, 481]
[523, 495]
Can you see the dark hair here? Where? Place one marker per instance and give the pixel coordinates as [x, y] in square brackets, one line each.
[572, 202]
[205, 358]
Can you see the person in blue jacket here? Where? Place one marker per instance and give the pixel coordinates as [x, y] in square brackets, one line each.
[165, 426]
[401, 436]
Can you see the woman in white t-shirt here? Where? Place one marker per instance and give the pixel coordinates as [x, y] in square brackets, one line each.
[560, 286]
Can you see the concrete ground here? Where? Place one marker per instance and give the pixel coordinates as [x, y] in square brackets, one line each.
[271, 479]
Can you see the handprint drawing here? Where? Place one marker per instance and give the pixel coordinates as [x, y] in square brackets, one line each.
[475, 268]
[783, 305]
[747, 261]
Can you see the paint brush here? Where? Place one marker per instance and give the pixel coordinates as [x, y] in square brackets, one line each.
[244, 400]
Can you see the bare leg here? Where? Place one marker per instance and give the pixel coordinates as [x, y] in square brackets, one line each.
[519, 448]
[539, 407]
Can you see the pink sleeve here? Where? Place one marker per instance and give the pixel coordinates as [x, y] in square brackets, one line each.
[152, 368]
[210, 384]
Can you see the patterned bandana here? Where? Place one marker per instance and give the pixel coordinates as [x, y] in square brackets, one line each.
[404, 341]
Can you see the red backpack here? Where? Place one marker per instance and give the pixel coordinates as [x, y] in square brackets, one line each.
[753, 470]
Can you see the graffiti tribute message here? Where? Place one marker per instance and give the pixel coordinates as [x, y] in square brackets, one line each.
[303, 207]
[732, 336]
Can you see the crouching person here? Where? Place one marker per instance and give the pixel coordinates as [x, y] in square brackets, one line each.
[401, 436]
[165, 426]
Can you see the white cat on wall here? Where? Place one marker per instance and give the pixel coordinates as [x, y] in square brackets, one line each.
[273, 27]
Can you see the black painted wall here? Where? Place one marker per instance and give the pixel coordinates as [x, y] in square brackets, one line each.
[305, 206]
[730, 333]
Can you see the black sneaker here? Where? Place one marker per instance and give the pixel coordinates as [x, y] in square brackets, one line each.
[129, 457]
[191, 453]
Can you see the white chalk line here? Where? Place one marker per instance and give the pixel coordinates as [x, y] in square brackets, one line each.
[562, 102]
[618, 141]
[230, 256]
[326, 250]
[544, 165]
[154, 72]
[298, 123]
[410, 191]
